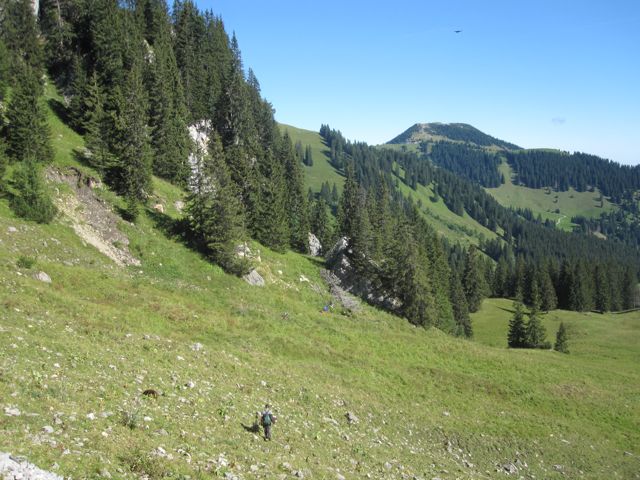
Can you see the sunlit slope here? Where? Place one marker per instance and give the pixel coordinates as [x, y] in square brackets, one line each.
[549, 204]
[76, 355]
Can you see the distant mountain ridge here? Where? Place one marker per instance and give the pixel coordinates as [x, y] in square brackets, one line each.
[455, 132]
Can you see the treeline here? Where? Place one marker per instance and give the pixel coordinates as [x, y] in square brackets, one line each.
[561, 170]
[621, 225]
[136, 78]
[518, 237]
[475, 164]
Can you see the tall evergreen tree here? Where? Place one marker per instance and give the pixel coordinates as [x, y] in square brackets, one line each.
[32, 201]
[320, 226]
[473, 280]
[535, 333]
[133, 172]
[561, 339]
[21, 36]
[460, 309]
[28, 133]
[297, 208]
[517, 337]
[214, 207]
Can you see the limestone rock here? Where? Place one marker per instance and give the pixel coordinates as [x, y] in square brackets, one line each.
[158, 207]
[43, 277]
[14, 468]
[254, 278]
[12, 229]
[315, 247]
[179, 205]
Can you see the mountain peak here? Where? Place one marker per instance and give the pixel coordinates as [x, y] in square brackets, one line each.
[450, 132]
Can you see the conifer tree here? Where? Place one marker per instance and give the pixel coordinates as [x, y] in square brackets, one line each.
[473, 280]
[460, 309]
[4, 70]
[214, 207]
[132, 175]
[517, 329]
[28, 133]
[270, 224]
[561, 339]
[297, 208]
[535, 333]
[320, 226]
[32, 201]
[602, 290]
[20, 33]
[96, 125]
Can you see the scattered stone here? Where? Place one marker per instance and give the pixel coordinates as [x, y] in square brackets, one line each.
[47, 429]
[105, 473]
[279, 272]
[339, 476]
[179, 205]
[43, 277]
[351, 418]
[196, 347]
[298, 474]
[303, 279]
[14, 468]
[190, 384]
[243, 250]
[315, 247]
[91, 416]
[558, 468]
[510, 468]
[628, 454]
[158, 207]
[12, 412]
[254, 278]
[387, 466]
[446, 414]
[12, 229]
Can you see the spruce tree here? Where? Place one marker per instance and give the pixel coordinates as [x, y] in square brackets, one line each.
[517, 330]
[133, 172]
[473, 280]
[32, 201]
[21, 35]
[460, 309]
[320, 226]
[535, 333]
[28, 133]
[297, 208]
[214, 208]
[561, 339]
[96, 125]
[4, 70]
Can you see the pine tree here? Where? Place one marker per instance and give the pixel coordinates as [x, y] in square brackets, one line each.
[32, 201]
[20, 33]
[602, 290]
[460, 309]
[4, 70]
[270, 224]
[517, 330]
[132, 175]
[561, 339]
[297, 208]
[28, 133]
[214, 208]
[473, 280]
[320, 226]
[96, 126]
[535, 333]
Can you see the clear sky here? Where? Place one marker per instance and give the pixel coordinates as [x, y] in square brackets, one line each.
[560, 74]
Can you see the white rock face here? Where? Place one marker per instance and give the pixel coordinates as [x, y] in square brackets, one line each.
[315, 247]
[14, 468]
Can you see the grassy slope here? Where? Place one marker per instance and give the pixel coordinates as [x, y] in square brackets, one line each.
[569, 203]
[428, 404]
[458, 229]
[321, 170]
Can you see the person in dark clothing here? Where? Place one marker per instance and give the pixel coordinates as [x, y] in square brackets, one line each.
[267, 419]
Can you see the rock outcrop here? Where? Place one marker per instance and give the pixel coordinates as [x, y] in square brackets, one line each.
[315, 247]
[17, 468]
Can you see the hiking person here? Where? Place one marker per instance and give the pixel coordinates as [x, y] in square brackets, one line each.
[267, 419]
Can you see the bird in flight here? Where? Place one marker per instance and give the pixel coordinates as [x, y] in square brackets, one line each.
[457, 31]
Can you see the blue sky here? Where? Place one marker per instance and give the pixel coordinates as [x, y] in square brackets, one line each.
[560, 74]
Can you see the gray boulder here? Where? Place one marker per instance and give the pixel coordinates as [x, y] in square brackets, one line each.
[43, 277]
[315, 247]
[254, 278]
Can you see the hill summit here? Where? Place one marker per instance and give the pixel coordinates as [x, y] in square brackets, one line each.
[452, 132]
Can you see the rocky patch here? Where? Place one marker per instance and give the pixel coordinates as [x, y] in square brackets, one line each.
[91, 218]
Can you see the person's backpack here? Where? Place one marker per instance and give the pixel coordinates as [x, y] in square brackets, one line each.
[266, 419]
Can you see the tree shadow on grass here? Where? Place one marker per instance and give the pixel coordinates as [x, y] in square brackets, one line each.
[63, 113]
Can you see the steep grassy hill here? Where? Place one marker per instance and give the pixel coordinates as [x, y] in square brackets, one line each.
[549, 204]
[77, 353]
[456, 228]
